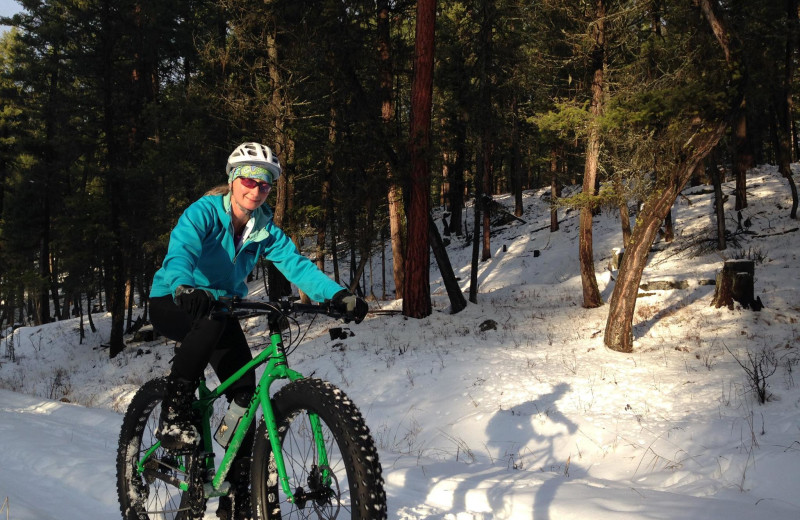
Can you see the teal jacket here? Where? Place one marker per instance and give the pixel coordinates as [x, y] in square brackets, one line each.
[202, 254]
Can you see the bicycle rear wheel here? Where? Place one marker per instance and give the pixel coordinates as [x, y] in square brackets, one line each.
[154, 494]
[349, 487]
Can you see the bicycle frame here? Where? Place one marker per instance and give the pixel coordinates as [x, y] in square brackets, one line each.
[277, 368]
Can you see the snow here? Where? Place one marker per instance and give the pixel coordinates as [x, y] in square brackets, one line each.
[532, 419]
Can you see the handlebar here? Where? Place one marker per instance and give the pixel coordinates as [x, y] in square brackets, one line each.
[239, 308]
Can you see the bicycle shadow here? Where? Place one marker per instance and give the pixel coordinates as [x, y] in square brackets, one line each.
[525, 425]
[523, 442]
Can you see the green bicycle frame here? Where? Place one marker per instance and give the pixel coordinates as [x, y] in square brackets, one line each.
[276, 368]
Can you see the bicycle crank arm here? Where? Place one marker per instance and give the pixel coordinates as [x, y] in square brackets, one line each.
[169, 479]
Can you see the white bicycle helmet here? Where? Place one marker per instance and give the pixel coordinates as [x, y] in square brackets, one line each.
[254, 154]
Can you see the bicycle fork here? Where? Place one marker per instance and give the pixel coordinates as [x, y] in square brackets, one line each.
[275, 442]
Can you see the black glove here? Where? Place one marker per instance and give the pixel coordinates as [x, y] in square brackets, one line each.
[353, 307]
[195, 302]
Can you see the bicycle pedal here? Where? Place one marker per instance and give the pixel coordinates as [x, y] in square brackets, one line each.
[210, 492]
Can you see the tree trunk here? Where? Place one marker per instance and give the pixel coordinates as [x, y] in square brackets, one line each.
[325, 196]
[591, 292]
[476, 224]
[114, 164]
[322, 224]
[457, 301]
[334, 248]
[365, 237]
[89, 313]
[742, 156]
[619, 326]
[278, 285]
[516, 161]
[719, 202]
[397, 239]
[383, 263]
[783, 104]
[457, 177]
[128, 302]
[624, 213]
[416, 293]
[486, 148]
[555, 190]
[394, 193]
[486, 198]
[45, 274]
[81, 330]
[54, 277]
[669, 227]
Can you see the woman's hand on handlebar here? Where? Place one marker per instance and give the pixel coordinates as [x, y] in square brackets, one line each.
[350, 306]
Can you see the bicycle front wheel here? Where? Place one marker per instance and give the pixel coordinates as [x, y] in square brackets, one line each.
[349, 486]
[153, 494]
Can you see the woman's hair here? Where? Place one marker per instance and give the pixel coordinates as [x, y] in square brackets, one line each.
[222, 189]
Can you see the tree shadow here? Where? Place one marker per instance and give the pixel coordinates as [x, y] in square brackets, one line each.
[676, 302]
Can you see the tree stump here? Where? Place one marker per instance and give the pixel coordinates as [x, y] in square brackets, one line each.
[735, 283]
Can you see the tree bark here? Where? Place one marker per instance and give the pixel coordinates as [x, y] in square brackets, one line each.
[114, 164]
[783, 104]
[477, 209]
[555, 190]
[322, 225]
[278, 285]
[396, 237]
[619, 326]
[591, 292]
[416, 297]
[325, 196]
[669, 227]
[457, 301]
[46, 275]
[734, 282]
[742, 155]
[457, 176]
[394, 193]
[624, 213]
[719, 203]
[486, 198]
[516, 160]
[486, 145]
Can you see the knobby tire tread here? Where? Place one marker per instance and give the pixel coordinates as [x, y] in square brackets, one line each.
[366, 498]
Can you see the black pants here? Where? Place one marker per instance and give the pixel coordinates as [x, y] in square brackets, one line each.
[219, 342]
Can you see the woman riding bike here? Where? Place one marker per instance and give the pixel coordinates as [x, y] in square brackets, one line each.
[212, 249]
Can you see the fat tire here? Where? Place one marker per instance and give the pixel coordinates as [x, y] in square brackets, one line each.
[358, 482]
[138, 498]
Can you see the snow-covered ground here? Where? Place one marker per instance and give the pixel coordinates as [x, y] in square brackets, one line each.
[533, 419]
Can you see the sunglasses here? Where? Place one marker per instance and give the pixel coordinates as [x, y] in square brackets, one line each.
[249, 183]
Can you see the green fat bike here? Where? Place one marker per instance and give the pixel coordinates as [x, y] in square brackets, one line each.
[313, 455]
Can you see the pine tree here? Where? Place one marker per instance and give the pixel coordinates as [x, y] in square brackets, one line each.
[417, 299]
